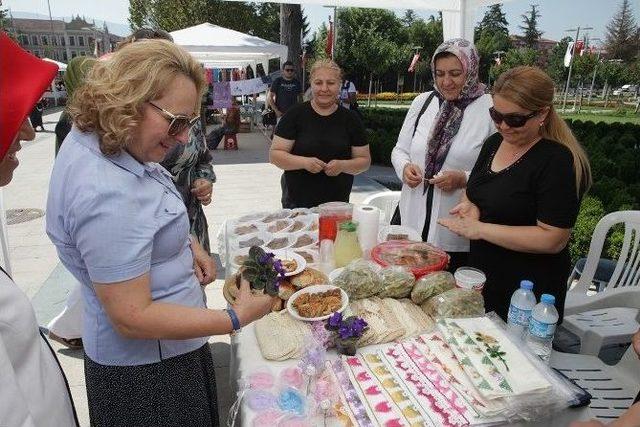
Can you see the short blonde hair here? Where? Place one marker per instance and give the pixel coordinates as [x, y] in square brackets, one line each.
[532, 89]
[111, 101]
[325, 63]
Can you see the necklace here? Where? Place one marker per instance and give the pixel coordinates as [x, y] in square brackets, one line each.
[523, 149]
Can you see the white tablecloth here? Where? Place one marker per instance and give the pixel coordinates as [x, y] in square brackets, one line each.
[246, 358]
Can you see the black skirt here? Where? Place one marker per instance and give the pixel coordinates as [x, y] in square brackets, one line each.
[179, 391]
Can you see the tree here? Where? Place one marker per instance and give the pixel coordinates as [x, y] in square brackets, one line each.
[621, 39]
[531, 34]
[491, 35]
[555, 64]
[494, 21]
[514, 58]
[171, 16]
[290, 32]
[366, 39]
[409, 17]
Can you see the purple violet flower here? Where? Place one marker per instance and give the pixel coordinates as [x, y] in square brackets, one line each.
[335, 320]
[358, 326]
[345, 332]
[264, 259]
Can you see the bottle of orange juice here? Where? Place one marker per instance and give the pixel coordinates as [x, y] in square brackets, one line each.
[347, 247]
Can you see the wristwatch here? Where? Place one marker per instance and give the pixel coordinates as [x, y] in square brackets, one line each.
[235, 322]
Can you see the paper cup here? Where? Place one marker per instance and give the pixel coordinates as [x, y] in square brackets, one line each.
[470, 278]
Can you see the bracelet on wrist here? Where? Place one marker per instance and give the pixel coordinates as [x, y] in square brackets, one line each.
[235, 321]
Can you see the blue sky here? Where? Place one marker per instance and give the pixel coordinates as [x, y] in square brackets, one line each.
[557, 15]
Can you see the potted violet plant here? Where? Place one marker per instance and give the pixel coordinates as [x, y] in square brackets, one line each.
[347, 331]
[263, 272]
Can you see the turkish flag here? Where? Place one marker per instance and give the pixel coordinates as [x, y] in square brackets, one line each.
[414, 62]
[329, 48]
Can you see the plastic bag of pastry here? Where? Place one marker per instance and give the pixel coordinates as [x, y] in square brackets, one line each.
[360, 279]
[454, 303]
[397, 282]
[431, 285]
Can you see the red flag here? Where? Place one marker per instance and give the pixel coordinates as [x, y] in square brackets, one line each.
[329, 48]
[579, 47]
[414, 62]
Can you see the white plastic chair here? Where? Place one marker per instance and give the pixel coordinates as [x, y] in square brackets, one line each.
[386, 201]
[611, 316]
[613, 387]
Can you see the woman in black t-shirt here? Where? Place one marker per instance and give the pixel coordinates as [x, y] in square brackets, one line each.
[319, 145]
[524, 192]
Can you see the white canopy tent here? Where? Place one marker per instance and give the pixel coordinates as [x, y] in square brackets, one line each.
[221, 47]
[458, 16]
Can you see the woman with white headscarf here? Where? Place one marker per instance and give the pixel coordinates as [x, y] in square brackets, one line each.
[439, 143]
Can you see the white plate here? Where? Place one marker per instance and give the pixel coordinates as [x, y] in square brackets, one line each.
[314, 290]
[290, 254]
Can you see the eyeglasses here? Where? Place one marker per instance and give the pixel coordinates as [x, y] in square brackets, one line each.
[177, 123]
[512, 120]
[289, 70]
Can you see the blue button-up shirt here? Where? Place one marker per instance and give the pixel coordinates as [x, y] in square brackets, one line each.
[113, 219]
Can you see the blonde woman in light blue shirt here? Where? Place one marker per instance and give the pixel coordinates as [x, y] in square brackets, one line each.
[121, 228]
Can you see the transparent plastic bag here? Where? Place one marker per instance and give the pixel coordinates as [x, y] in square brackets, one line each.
[541, 405]
[397, 282]
[360, 279]
[455, 303]
[431, 285]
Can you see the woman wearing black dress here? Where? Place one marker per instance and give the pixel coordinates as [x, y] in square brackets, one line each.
[524, 192]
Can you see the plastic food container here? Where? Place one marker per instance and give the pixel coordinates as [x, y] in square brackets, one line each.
[470, 278]
[419, 257]
[398, 232]
[331, 214]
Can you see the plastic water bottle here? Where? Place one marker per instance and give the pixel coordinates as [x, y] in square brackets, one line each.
[542, 326]
[522, 303]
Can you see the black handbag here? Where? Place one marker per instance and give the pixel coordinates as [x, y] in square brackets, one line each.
[269, 117]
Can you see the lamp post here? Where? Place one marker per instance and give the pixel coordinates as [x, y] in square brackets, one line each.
[595, 69]
[573, 48]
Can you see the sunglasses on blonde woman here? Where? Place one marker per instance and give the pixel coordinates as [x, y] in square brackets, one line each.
[513, 120]
[177, 122]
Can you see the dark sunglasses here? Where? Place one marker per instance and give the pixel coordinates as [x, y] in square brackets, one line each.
[291, 70]
[177, 123]
[512, 120]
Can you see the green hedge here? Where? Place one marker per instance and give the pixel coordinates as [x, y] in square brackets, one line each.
[614, 154]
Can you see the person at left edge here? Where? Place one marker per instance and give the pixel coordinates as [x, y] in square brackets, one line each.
[33, 388]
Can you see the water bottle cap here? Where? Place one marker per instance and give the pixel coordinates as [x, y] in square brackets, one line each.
[548, 299]
[526, 284]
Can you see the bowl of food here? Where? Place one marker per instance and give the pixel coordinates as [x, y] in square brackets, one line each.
[304, 239]
[241, 229]
[292, 262]
[335, 273]
[274, 216]
[279, 225]
[318, 302]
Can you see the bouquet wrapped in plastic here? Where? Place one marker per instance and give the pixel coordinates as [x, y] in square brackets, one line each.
[455, 303]
[360, 279]
[431, 285]
[397, 282]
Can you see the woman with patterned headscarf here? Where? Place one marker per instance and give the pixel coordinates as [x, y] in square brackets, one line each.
[438, 145]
